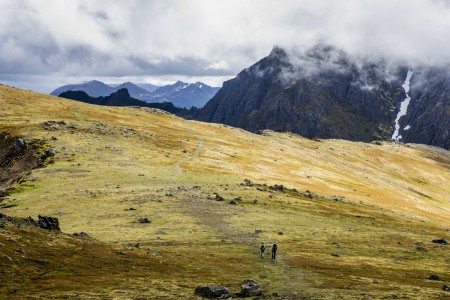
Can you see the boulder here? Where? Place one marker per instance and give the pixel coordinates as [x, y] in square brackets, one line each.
[48, 223]
[50, 152]
[232, 202]
[143, 220]
[434, 277]
[278, 187]
[212, 292]
[440, 241]
[446, 288]
[82, 234]
[19, 146]
[250, 288]
[248, 182]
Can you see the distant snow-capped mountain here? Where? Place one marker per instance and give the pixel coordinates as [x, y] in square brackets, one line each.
[181, 94]
[184, 95]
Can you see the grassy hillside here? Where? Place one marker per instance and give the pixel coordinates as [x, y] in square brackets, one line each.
[364, 228]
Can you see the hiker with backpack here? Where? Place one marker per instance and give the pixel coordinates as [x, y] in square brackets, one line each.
[274, 250]
[262, 249]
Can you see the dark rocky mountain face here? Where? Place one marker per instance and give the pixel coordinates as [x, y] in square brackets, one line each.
[325, 93]
[120, 98]
[428, 116]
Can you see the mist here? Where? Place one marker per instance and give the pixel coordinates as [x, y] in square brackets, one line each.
[47, 41]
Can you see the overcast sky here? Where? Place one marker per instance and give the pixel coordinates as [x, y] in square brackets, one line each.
[48, 43]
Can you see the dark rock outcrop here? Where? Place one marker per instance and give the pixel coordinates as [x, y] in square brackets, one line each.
[143, 220]
[212, 291]
[250, 288]
[82, 234]
[48, 223]
[17, 158]
[434, 277]
[441, 241]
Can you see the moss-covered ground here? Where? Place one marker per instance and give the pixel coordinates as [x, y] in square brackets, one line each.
[365, 232]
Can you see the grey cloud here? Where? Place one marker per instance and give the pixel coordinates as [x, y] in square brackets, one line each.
[185, 38]
[187, 66]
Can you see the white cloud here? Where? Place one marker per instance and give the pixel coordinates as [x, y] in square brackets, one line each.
[162, 39]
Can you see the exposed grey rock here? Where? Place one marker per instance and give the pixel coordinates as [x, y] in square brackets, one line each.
[19, 146]
[50, 152]
[278, 187]
[43, 261]
[211, 291]
[441, 241]
[421, 248]
[82, 234]
[446, 288]
[219, 198]
[248, 182]
[250, 288]
[143, 220]
[48, 223]
[232, 202]
[434, 277]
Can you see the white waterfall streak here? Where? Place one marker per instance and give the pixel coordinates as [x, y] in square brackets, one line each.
[403, 108]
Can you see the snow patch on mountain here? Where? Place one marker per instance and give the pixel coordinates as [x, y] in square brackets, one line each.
[403, 107]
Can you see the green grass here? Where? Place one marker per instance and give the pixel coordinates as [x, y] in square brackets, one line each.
[96, 177]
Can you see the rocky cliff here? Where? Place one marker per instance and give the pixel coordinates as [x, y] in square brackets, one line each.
[326, 93]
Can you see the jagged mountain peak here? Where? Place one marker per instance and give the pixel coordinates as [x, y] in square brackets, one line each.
[325, 92]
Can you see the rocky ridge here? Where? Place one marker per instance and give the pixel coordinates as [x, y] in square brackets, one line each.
[326, 93]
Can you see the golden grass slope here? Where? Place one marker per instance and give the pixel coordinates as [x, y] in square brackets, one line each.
[112, 159]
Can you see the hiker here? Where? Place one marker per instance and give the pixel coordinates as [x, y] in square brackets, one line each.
[274, 250]
[262, 248]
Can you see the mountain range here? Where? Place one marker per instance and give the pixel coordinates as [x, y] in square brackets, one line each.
[181, 94]
[120, 98]
[323, 92]
[326, 93]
